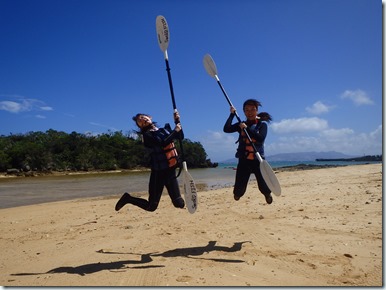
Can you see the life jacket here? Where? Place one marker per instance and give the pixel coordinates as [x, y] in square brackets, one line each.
[162, 157]
[248, 149]
[245, 145]
[171, 154]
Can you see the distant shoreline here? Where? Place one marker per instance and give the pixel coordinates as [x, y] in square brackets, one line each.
[73, 185]
[70, 173]
[303, 166]
[356, 159]
[32, 174]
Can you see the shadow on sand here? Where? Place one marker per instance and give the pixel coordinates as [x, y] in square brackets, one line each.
[193, 253]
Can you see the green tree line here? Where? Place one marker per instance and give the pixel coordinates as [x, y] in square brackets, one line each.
[59, 151]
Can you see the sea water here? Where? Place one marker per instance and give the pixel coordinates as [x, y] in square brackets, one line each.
[34, 190]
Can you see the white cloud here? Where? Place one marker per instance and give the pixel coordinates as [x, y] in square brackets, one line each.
[40, 116]
[103, 126]
[377, 133]
[294, 144]
[299, 135]
[300, 125]
[337, 134]
[21, 104]
[219, 146]
[359, 97]
[12, 107]
[46, 108]
[343, 140]
[318, 108]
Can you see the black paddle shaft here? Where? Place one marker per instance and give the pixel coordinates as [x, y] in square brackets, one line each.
[171, 87]
[174, 102]
[237, 116]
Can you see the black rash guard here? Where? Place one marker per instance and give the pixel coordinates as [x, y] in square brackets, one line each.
[156, 139]
[257, 132]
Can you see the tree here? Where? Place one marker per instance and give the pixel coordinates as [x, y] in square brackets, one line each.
[55, 150]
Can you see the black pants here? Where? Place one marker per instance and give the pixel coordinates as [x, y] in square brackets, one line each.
[245, 168]
[158, 180]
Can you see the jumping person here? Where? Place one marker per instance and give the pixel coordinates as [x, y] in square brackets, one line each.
[164, 160]
[248, 162]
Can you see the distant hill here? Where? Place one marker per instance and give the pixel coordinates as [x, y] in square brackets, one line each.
[300, 156]
[362, 158]
[307, 156]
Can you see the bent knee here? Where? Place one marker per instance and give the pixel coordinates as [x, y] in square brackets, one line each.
[152, 207]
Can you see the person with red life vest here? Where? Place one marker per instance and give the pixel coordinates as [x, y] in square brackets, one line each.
[164, 161]
[256, 126]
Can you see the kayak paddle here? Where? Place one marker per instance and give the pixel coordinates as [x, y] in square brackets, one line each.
[190, 190]
[265, 169]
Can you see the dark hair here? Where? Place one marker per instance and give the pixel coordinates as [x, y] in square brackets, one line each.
[251, 102]
[264, 116]
[137, 116]
[142, 130]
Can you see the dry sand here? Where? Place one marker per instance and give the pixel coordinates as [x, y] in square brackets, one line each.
[324, 230]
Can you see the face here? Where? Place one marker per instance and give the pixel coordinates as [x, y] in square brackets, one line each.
[143, 121]
[250, 112]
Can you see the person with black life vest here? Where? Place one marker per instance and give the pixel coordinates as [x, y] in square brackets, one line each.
[256, 126]
[164, 161]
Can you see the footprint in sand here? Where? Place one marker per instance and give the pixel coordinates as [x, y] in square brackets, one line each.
[184, 279]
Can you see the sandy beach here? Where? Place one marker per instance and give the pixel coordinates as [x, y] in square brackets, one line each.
[324, 230]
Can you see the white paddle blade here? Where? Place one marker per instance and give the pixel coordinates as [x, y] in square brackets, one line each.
[190, 190]
[163, 35]
[270, 178]
[209, 65]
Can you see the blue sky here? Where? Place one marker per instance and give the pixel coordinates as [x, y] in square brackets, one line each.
[89, 66]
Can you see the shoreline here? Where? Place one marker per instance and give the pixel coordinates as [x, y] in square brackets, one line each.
[70, 173]
[61, 187]
[32, 174]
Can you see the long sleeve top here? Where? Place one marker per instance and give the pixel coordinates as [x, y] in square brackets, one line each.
[257, 131]
[160, 142]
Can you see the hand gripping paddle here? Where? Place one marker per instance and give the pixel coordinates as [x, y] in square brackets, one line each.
[266, 170]
[190, 190]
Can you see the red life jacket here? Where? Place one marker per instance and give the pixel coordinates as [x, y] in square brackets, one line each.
[248, 149]
[249, 152]
[162, 157]
[171, 154]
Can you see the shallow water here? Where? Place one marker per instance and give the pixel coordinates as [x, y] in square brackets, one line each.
[34, 190]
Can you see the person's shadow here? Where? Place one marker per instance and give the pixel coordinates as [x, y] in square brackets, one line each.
[192, 252]
[198, 251]
[96, 267]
